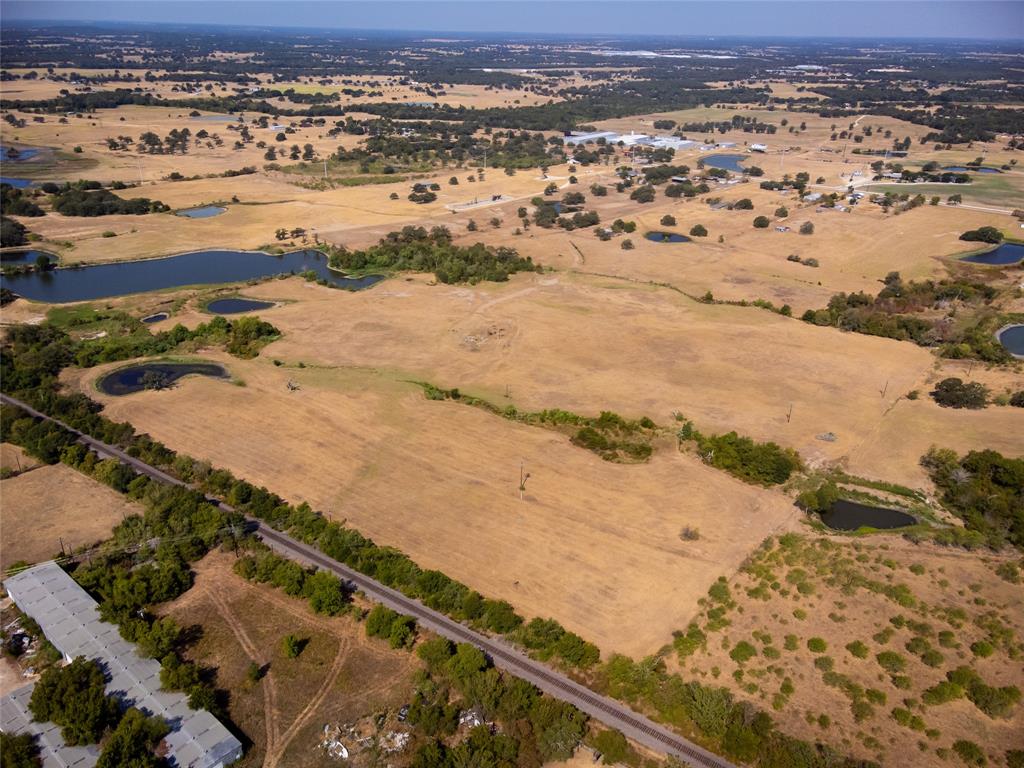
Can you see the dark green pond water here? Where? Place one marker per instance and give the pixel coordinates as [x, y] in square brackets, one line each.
[846, 515]
[135, 378]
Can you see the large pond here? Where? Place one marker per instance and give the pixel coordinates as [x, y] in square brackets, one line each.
[205, 212]
[16, 183]
[137, 378]
[969, 169]
[1012, 337]
[848, 515]
[1007, 253]
[198, 268]
[666, 237]
[235, 305]
[24, 256]
[728, 162]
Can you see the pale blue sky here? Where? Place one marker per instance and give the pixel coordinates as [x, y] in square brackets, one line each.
[810, 18]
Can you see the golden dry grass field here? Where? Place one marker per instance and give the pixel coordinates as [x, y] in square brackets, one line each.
[826, 587]
[591, 542]
[340, 677]
[49, 503]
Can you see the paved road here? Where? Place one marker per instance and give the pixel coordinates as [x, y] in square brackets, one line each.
[608, 711]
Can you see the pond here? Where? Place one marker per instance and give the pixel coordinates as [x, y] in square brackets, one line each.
[1012, 337]
[25, 256]
[666, 237]
[1007, 253]
[204, 212]
[236, 304]
[848, 515]
[969, 169]
[198, 268]
[728, 162]
[155, 318]
[19, 155]
[16, 183]
[136, 378]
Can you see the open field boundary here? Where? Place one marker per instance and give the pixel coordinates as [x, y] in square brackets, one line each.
[606, 710]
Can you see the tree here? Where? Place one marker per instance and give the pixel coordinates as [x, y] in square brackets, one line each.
[281, 137]
[698, 230]
[744, 205]
[627, 245]
[12, 232]
[761, 222]
[983, 235]
[781, 212]
[74, 697]
[807, 228]
[133, 742]
[954, 393]
[668, 220]
[644, 194]
[19, 751]
[292, 646]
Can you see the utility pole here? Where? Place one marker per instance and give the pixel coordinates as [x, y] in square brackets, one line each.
[325, 167]
[789, 415]
[523, 477]
[885, 388]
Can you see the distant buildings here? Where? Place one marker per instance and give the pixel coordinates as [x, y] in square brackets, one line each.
[758, 147]
[630, 140]
[71, 622]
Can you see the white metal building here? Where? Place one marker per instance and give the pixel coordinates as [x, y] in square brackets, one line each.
[71, 622]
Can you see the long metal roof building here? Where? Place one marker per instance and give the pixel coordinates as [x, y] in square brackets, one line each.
[71, 622]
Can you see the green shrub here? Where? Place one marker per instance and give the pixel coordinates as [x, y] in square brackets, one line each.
[891, 662]
[742, 652]
[942, 692]
[817, 645]
[857, 649]
[970, 752]
[982, 649]
[791, 643]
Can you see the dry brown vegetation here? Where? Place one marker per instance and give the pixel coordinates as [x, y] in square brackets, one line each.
[811, 587]
[46, 504]
[339, 677]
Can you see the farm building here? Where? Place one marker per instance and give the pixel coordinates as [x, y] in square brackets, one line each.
[71, 621]
[758, 147]
[583, 138]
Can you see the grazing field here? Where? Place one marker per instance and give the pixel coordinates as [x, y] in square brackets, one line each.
[50, 503]
[339, 677]
[582, 343]
[590, 542]
[13, 459]
[800, 629]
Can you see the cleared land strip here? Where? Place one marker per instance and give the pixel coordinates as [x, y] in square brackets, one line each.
[608, 711]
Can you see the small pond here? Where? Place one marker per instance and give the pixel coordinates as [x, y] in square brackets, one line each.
[17, 155]
[205, 212]
[137, 378]
[969, 169]
[848, 515]
[103, 281]
[666, 237]
[1012, 337]
[16, 183]
[155, 318]
[1007, 253]
[728, 162]
[236, 304]
[24, 256]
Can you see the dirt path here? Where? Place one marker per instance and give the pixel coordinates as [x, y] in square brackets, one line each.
[251, 650]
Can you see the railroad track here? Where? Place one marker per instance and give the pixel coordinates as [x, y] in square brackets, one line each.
[606, 710]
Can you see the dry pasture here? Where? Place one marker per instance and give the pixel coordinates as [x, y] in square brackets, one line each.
[50, 503]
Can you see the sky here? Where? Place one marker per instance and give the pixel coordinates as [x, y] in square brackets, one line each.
[992, 19]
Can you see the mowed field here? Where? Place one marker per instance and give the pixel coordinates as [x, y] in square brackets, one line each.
[341, 676]
[587, 344]
[44, 505]
[591, 542]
